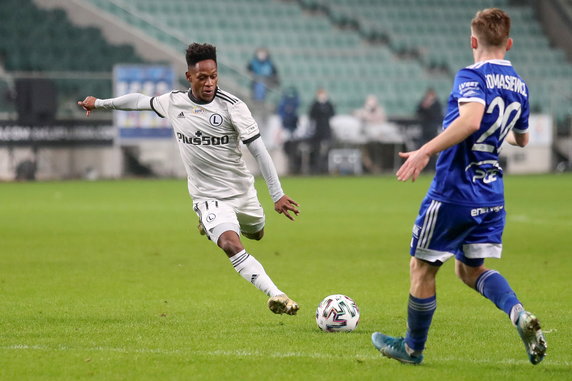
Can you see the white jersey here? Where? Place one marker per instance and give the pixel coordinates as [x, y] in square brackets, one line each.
[208, 136]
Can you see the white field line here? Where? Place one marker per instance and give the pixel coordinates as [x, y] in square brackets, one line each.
[257, 354]
[521, 218]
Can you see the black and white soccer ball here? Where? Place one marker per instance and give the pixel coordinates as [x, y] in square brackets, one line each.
[337, 313]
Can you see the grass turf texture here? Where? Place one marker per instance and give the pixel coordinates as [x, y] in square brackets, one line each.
[111, 281]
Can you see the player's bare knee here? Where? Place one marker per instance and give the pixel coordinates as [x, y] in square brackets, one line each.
[461, 274]
[230, 243]
[422, 269]
[422, 277]
[255, 236]
[468, 274]
[231, 248]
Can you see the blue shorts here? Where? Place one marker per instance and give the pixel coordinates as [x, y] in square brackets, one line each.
[470, 234]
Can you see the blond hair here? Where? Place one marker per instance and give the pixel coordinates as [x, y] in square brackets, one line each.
[491, 26]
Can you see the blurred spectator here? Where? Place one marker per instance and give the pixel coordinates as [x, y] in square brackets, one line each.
[321, 111]
[430, 115]
[288, 112]
[372, 118]
[288, 109]
[372, 113]
[265, 75]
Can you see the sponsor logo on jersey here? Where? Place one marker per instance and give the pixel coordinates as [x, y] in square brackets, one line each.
[478, 211]
[215, 120]
[202, 139]
[181, 115]
[211, 217]
[486, 171]
[468, 89]
[197, 110]
[470, 93]
[468, 85]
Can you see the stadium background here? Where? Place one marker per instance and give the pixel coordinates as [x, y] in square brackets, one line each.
[57, 52]
[109, 280]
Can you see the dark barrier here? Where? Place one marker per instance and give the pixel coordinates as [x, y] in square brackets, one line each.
[68, 133]
[36, 101]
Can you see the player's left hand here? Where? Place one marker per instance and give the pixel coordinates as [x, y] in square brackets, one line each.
[285, 205]
[416, 161]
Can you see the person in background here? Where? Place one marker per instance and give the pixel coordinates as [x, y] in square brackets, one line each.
[430, 114]
[264, 74]
[288, 112]
[372, 113]
[288, 109]
[321, 111]
[372, 117]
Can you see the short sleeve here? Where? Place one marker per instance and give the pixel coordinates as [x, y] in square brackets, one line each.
[469, 87]
[521, 125]
[160, 104]
[243, 122]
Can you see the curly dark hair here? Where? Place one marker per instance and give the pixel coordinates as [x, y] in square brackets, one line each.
[200, 52]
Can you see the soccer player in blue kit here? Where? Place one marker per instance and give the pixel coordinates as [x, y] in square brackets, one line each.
[463, 212]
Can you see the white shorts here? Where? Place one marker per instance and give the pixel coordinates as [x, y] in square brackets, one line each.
[241, 215]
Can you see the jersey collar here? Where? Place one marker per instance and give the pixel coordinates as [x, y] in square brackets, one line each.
[496, 62]
[199, 101]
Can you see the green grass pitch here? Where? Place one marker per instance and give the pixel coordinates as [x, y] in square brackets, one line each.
[111, 281]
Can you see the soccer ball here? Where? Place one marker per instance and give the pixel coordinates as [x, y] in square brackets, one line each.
[337, 313]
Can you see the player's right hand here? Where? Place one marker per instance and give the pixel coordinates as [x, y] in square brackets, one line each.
[87, 104]
[414, 164]
[285, 205]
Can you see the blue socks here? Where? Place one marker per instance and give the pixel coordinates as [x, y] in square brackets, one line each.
[490, 284]
[495, 287]
[419, 315]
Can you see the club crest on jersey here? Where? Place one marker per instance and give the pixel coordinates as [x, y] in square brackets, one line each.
[215, 120]
[211, 217]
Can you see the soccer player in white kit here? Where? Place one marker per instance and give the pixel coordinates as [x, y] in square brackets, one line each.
[209, 124]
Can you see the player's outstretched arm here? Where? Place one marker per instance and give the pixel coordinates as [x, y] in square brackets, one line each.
[128, 102]
[469, 121]
[285, 205]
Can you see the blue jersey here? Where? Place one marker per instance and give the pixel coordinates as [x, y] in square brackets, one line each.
[469, 173]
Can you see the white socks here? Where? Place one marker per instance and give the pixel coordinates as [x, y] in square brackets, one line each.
[251, 270]
[514, 312]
